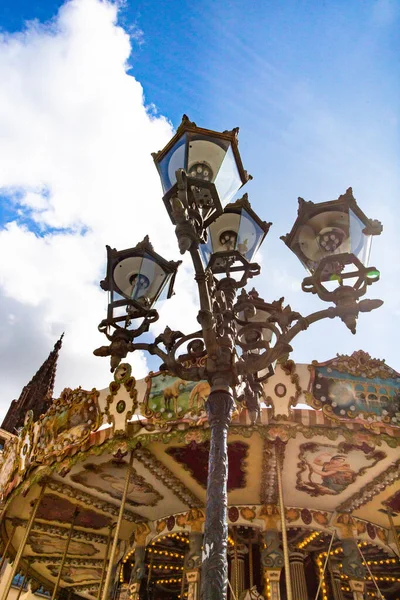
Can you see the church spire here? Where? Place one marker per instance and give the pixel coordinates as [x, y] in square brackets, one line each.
[37, 395]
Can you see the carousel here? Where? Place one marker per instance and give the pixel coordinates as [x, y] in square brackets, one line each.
[104, 495]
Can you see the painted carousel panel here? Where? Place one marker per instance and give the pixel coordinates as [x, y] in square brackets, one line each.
[326, 469]
[109, 478]
[194, 459]
[76, 574]
[169, 398]
[356, 388]
[42, 543]
[56, 508]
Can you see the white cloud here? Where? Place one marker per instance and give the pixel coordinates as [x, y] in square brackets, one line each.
[75, 150]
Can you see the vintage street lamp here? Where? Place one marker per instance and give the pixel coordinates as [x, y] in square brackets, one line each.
[241, 336]
[135, 279]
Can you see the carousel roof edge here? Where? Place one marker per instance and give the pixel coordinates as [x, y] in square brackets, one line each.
[344, 395]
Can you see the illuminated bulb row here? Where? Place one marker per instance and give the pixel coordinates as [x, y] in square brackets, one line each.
[369, 594]
[335, 551]
[321, 576]
[393, 579]
[165, 553]
[166, 567]
[387, 561]
[127, 557]
[309, 539]
[169, 580]
[171, 535]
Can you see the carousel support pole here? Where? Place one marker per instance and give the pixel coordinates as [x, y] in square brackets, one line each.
[150, 572]
[103, 571]
[65, 554]
[236, 559]
[393, 530]
[22, 544]
[22, 584]
[325, 565]
[6, 547]
[183, 581]
[251, 559]
[117, 529]
[279, 453]
[358, 593]
[193, 561]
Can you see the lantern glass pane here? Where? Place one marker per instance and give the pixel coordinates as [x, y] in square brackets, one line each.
[228, 180]
[139, 278]
[325, 234]
[360, 243]
[174, 159]
[205, 156]
[250, 236]
[206, 250]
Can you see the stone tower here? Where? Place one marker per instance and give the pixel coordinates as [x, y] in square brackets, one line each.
[36, 395]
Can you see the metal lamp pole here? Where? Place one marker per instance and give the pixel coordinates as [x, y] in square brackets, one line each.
[237, 342]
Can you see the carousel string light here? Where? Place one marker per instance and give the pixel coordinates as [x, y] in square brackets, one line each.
[309, 539]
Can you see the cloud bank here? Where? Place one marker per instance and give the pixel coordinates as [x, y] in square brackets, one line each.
[76, 173]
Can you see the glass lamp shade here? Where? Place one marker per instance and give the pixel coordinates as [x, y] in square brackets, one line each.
[136, 279]
[139, 278]
[329, 229]
[237, 230]
[211, 162]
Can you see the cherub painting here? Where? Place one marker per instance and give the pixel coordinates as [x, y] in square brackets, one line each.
[327, 469]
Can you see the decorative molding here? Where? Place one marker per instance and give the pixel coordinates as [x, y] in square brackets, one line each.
[63, 532]
[76, 562]
[374, 487]
[163, 474]
[360, 364]
[93, 501]
[57, 433]
[284, 384]
[120, 414]
[269, 483]
[84, 587]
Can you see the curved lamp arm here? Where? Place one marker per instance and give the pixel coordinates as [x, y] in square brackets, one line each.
[254, 363]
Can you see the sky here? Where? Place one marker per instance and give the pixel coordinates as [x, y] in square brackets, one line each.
[90, 88]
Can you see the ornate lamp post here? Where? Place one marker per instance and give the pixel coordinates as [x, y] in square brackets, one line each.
[241, 336]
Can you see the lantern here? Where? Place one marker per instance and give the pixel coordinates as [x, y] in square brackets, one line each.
[212, 164]
[236, 235]
[136, 278]
[330, 229]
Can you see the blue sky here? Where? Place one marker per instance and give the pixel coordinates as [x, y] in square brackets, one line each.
[314, 87]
